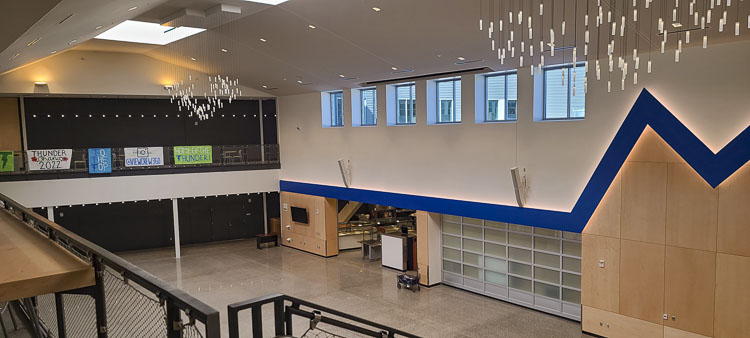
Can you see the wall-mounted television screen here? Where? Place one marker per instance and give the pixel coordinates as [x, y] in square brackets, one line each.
[299, 215]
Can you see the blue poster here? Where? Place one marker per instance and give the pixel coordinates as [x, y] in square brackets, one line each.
[100, 160]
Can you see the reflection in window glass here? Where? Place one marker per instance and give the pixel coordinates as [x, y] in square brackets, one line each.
[472, 245]
[499, 265]
[406, 98]
[473, 259]
[337, 109]
[452, 267]
[494, 249]
[451, 241]
[470, 271]
[495, 278]
[519, 283]
[547, 275]
[449, 101]
[519, 254]
[547, 290]
[501, 97]
[369, 107]
[452, 254]
[519, 269]
[571, 296]
[564, 96]
[572, 264]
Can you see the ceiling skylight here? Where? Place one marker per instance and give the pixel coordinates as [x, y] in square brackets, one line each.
[268, 2]
[147, 32]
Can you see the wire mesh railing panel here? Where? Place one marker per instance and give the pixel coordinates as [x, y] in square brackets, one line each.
[193, 331]
[47, 313]
[130, 311]
[80, 316]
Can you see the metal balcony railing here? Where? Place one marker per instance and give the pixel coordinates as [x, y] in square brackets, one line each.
[223, 156]
[124, 302]
[323, 321]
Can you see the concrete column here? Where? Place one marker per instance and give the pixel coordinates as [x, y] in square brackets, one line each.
[176, 218]
[51, 213]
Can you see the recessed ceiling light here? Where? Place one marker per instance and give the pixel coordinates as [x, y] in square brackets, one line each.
[263, 40]
[461, 58]
[342, 76]
[312, 26]
[33, 42]
[133, 8]
[192, 58]
[268, 2]
[98, 27]
[53, 52]
[377, 9]
[264, 86]
[394, 68]
[147, 32]
[224, 50]
[72, 41]
[299, 81]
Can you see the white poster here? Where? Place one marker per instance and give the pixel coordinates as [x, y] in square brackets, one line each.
[49, 159]
[144, 157]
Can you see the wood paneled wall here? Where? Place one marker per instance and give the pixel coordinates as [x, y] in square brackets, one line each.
[10, 124]
[666, 255]
[320, 235]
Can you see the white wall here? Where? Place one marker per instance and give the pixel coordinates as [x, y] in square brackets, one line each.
[707, 91]
[139, 188]
[99, 73]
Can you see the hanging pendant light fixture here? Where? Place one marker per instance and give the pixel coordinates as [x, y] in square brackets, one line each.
[194, 87]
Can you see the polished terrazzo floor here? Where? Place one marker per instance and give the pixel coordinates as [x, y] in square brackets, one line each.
[225, 273]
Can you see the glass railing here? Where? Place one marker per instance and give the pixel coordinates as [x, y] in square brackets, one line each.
[222, 156]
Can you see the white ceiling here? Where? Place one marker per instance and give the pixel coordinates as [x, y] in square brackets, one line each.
[424, 36]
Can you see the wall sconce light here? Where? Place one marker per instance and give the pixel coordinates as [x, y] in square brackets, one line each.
[41, 87]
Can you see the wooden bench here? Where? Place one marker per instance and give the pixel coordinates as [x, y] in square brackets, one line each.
[267, 238]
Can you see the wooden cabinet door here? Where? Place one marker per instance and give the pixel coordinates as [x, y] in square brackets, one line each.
[689, 277]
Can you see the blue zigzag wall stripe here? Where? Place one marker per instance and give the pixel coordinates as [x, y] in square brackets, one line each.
[647, 110]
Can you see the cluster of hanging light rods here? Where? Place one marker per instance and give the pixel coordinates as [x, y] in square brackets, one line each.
[218, 86]
[497, 27]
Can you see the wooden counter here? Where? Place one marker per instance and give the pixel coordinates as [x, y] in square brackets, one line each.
[32, 265]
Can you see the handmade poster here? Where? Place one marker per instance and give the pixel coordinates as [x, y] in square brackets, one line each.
[193, 154]
[144, 156]
[49, 159]
[100, 160]
[6, 160]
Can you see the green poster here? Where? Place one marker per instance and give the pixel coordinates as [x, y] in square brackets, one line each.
[6, 161]
[193, 155]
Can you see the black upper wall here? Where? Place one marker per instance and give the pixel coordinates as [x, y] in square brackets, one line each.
[240, 123]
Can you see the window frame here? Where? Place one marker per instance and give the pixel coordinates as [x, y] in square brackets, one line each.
[412, 93]
[568, 68]
[505, 95]
[332, 99]
[362, 107]
[453, 104]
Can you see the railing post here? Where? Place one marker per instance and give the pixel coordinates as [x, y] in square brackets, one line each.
[234, 325]
[257, 320]
[288, 321]
[174, 323]
[101, 307]
[278, 316]
[60, 308]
